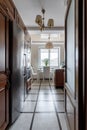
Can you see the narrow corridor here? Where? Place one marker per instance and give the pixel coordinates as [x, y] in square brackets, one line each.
[43, 109]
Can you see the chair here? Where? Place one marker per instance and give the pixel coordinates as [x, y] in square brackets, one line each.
[39, 74]
[52, 74]
[33, 74]
[46, 73]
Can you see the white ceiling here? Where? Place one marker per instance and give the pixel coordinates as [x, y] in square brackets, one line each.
[28, 9]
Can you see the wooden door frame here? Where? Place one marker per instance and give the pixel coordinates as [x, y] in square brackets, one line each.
[82, 108]
[85, 64]
[80, 66]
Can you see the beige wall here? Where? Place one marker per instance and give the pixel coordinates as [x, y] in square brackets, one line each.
[35, 55]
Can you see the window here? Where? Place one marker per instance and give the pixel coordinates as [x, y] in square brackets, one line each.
[53, 55]
[43, 55]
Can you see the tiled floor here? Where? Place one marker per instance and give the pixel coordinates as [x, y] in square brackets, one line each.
[43, 109]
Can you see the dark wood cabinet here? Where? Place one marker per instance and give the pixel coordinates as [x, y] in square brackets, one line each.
[2, 105]
[59, 78]
[3, 102]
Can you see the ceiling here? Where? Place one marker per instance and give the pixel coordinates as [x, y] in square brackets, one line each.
[28, 9]
[56, 9]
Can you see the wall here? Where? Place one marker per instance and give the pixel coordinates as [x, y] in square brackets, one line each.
[35, 55]
[72, 66]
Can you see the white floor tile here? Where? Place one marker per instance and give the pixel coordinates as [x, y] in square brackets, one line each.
[45, 117]
[29, 107]
[31, 97]
[60, 106]
[22, 123]
[47, 97]
[58, 97]
[63, 121]
[33, 91]
[43, 121]
[43, 106]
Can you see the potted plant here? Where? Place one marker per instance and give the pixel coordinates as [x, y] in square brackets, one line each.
[46, 61]
[62, 64]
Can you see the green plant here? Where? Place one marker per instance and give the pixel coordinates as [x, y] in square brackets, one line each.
[46, 61]
[62, 64]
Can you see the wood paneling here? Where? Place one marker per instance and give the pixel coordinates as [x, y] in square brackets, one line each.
[3, 82]
[2, 106]
[8, 8]
[71, 108]
[71, 114]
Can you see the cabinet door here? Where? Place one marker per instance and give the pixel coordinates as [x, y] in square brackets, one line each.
[2, 43]
[2, 105]
[3, 78]
[3, 101]
[59, 78]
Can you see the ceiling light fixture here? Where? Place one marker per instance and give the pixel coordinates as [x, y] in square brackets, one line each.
[49, 44]
[40, 21]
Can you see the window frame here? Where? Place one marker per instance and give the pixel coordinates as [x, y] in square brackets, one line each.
[39, 56]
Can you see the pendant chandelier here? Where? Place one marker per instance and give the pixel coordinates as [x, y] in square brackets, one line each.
[40, 21]
[49, 44]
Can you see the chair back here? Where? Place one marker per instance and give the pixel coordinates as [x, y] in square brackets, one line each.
[32, 70]
[46, 71]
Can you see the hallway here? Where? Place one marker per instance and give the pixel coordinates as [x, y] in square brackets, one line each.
[43, 109]
[26, 29]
